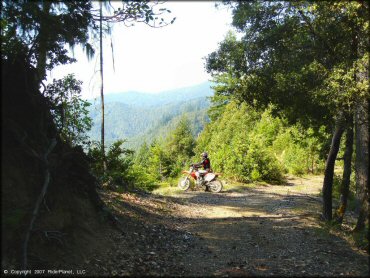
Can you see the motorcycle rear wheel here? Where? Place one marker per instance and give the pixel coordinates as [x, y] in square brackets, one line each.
[215, 186]
[184, 183]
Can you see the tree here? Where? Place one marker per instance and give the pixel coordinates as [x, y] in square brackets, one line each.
[293, 53]
[180, 142]
[102, 132]
[159, 163]
[142, 155]
[132, 11]
[118, 160]
[241, 141]
[69, 111]
[362, 160]
[41, 29]
[345, 185]
[329, 170]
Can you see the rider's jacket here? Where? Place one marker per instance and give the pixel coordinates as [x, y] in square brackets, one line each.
[206, 163]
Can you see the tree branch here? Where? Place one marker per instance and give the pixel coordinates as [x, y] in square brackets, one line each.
[38, 202]
[314, 33]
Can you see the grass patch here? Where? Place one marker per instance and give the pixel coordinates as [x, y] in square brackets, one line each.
[167, 188]
[359, 239]
[238, 186]
[300, 187]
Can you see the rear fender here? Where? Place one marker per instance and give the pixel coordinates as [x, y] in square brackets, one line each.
[210, 177]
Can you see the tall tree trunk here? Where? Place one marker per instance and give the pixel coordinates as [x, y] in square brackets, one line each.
[329, 171]
[344, 189]
[362, 160]
[43, 41]
[362, 133]
[102, 89]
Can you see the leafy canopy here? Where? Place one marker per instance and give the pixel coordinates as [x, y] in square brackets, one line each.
[70, 112]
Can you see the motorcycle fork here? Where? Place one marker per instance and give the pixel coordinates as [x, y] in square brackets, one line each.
[188, 177]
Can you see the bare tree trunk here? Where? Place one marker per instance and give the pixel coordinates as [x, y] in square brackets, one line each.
[102, 89]
[329, 172]
[362, 160]
[42, 42]
[344, 189]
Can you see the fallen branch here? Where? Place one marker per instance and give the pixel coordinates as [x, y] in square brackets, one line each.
[39, 201]
[55, 235]
[46, 206]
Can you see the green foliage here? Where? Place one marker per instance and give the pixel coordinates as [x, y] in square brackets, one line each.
[142, 156]
[299, 149]
[41, 30]
[237, 147]
[70, 112]
[122, 171]
[342, 83]
[248, 145]
[337, 183]
[300, 56]
[197, 119]
[180, 145]
[118, 161]
[165, 158]
[159, 161]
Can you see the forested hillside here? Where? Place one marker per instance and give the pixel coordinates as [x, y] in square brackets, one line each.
[140, 117]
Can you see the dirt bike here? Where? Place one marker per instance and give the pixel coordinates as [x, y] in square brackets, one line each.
[209, 181]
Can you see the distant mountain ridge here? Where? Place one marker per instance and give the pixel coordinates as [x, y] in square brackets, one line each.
[140, 117]
[140, 99]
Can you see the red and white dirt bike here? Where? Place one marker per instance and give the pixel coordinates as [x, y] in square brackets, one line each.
[208, 181]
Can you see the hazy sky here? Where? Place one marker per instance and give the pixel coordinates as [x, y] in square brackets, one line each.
[152, 60]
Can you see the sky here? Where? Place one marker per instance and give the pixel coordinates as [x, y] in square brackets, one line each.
[154, 59]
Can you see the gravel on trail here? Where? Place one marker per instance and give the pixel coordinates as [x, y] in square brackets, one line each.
[268, 230]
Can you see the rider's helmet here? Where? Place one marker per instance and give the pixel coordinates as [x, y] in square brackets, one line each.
[204, 155]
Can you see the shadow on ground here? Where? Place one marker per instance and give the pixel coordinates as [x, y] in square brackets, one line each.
[261, 233]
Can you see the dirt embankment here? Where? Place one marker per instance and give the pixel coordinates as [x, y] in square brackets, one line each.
[265, 230]
[49, 207]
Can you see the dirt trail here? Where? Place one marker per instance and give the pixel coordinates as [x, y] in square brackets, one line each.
[265, 230]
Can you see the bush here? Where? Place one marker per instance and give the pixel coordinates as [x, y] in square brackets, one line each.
[249, 145]
[298, 150]
[121, 170]
[239, 144]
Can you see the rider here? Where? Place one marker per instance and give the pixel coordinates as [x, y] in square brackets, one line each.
[206, 163]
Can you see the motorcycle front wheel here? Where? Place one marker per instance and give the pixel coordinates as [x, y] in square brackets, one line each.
[215, 186]
[184, 183]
